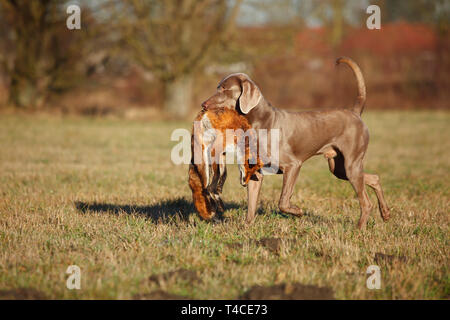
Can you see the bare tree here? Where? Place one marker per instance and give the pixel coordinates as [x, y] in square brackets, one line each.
[174, 38]
[333, 14]
[38, 54]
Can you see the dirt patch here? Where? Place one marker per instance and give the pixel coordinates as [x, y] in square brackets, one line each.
[180, 274]
[158, 295]
[390, 259]
[272, 244]
[22, 294]
[295, 291]
[235, 245]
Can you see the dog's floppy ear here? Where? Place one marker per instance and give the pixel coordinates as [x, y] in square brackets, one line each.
[250, 96]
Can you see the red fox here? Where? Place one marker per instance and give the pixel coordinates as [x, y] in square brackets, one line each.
[206, 179]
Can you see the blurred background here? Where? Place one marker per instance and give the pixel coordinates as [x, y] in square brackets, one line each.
[161, 59]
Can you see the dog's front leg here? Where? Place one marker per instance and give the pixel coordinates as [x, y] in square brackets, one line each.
[253, 188]
[289, 177]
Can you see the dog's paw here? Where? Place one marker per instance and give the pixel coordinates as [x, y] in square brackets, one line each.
[386, 215]
[249, 222]
[293, 210]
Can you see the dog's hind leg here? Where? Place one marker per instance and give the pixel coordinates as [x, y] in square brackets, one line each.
[373, 181]
[355, 175]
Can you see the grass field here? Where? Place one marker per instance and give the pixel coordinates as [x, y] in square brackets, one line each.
[103, 194]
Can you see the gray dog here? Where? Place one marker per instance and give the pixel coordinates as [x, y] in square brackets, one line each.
[339, 134]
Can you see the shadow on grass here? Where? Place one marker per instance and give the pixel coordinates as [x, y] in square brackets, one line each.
[165, 211]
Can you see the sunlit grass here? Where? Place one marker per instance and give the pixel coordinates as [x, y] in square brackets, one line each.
[51, 167]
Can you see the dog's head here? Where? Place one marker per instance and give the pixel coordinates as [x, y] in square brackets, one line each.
[237, 91]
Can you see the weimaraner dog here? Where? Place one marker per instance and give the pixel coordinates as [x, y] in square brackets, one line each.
[339, 134]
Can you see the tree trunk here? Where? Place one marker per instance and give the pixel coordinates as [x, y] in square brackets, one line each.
[178, 96]
[23, 93]
[338, 23]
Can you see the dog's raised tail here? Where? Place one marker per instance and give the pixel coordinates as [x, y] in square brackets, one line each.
[361, 99]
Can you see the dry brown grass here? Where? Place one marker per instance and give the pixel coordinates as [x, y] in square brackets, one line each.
[104, 195]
